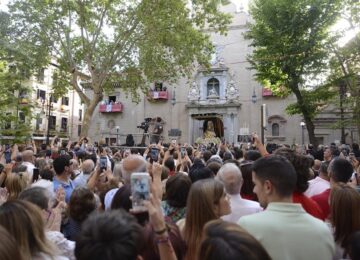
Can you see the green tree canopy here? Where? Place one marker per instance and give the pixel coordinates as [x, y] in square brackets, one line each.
[291, 42]
[128, 42]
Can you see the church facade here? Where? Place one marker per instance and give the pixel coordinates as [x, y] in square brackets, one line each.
[227, 95]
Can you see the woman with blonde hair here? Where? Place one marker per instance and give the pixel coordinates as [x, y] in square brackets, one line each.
[345, 217]
[15, 183]
[207, 200]
[24, 222]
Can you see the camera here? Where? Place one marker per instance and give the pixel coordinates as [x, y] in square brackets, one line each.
[145, 125]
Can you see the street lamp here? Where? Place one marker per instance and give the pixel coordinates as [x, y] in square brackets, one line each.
[117, 134]
[302, 124]
[173, 98]
[48, 117]
[253, 97]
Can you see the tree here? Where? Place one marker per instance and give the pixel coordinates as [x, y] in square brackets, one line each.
[345, 74]
[291, 42]
[15, 108]
[127, 43]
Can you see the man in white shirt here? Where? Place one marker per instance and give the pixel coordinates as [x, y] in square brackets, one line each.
[87, 168]
[321, 182]
[285, 230]
[28, 161]
[231, 176]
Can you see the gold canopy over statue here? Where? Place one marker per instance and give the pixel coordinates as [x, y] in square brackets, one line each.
[209, 134]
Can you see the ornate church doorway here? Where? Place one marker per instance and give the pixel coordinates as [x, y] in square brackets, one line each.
[202, 125]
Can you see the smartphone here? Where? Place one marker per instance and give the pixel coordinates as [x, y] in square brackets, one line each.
[62, 152]
[202, 148]
[173, 141]
[154, 154]
[140, 190]
[103, 163]
[182, 152]
[36, 174]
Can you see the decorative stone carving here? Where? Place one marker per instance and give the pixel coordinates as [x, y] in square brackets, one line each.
[194, 93]
[232, 92]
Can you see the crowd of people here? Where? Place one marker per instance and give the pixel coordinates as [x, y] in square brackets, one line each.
[74, 200]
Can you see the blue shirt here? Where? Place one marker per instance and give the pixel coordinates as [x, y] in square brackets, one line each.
[68, 188]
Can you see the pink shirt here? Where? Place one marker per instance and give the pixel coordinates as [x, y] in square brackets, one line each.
[317, 186]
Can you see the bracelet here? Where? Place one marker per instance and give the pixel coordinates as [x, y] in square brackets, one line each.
[162, 240]
[162, 231]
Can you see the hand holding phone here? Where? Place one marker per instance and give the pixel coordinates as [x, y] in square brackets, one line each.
[103, 163]
[182, 152]
[140, 190]
[36, 173]
[154, 154]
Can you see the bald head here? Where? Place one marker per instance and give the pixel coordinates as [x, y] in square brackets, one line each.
[317, 164]
[28, 156]
[132, 163]
[88, 166]
[232, 178]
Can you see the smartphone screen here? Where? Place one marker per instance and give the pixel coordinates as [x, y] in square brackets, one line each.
[154, 154]
[182, 152]
[103, 163]
[36, 173]
[140, 190]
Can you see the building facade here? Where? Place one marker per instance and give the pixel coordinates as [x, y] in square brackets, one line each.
[50, 116]
[228, 95]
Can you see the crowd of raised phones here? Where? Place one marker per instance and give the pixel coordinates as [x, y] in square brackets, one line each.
[75, 200]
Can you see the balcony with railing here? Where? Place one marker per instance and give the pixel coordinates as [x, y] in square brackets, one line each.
[267, 92]
[111, 108]
[158, 95]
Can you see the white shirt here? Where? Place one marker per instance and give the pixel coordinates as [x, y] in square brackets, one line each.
[317, 186]
[241, 207]
[29, 169]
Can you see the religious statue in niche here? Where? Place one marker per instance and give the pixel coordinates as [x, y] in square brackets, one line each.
[209, 131]
[193, 94]
[232, 92]
[209, 135]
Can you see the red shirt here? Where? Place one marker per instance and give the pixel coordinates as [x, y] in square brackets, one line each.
[322, 200]
[309, 205]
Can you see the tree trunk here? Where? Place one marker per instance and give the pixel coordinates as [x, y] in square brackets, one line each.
[89, 111]
[310, 127]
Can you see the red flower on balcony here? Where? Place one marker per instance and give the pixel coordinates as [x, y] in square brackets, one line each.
[111, 108]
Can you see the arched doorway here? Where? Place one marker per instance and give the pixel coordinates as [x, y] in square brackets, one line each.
[202, 120]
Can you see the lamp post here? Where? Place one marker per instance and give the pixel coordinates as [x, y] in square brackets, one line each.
[302, 124]
[117, 135]
[253, 97]
[48, 117]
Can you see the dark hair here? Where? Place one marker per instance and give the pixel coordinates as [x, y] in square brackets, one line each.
[227, 156]
[110, 235]
[252, 155]
[279, 171]
[177, 190]
[82, 203]
[238, 153]
[170, 163]
[301, 164]
[225, 240]
[121, 199]
[345, 213]
[340, 170]
[60, 162]
[36, 195]
[9, 249]
[207, 155]
[355, 245]
[214, 167]
[248, 185]
[324, 167]
[200, 174]
[47, 174]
